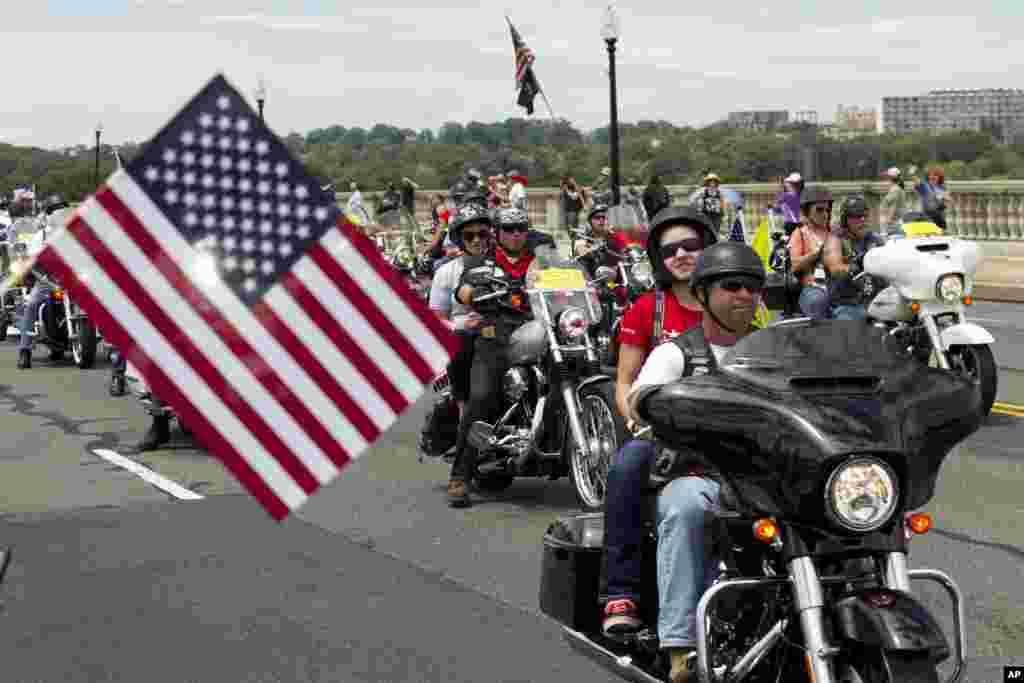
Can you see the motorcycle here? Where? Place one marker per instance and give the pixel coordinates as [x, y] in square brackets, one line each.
[930, 282]
[62, 326]
[558, 415]
[399, 249]
[827, 439]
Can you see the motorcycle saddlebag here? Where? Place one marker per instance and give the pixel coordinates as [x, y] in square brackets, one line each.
[571, 580]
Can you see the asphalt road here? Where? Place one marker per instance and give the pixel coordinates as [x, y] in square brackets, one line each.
[374, 580]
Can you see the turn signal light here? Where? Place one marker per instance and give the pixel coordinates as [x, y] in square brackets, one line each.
[516, 300]
[915, 307]
[766, 531]
[58, 295]
[968, 300]
[919, 523]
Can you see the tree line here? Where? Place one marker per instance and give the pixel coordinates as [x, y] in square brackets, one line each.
[547, 150]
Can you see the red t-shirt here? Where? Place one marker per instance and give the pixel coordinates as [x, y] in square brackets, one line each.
[638, 321]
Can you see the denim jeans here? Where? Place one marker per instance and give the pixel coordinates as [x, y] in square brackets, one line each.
[685, 566]
[625, 511]
[40, 292]
[849, 312]
[814, 302]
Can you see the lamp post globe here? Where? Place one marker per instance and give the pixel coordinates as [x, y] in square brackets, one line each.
[610, 31]
[261, 96]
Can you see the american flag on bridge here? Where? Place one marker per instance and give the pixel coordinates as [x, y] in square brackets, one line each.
[736, 233]
[526, 80]
[224, 272]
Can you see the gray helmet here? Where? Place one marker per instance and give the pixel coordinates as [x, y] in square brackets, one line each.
[470, 213]
[510, 217]
[666, 218]
[725, 259]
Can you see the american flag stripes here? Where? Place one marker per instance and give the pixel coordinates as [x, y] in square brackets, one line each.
[526, 80]
[228, 277]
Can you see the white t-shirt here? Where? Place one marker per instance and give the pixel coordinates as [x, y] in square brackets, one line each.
[666, 363]
[442, 292]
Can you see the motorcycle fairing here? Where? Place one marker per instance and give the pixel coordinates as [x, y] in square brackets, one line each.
[965, 334]
[891, 620]
[791, 402]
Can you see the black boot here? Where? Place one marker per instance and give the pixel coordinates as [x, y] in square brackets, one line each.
[159, 433]
[24, 359]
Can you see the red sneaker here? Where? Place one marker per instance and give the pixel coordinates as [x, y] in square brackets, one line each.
[621, 618]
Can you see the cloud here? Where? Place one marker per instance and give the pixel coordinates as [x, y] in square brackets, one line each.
[274, 22]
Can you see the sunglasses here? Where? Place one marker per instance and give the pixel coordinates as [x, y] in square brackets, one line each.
[735, 284]
[515, 228]
[820, 209]
[691, 245]
[474, 236]
[599, 219]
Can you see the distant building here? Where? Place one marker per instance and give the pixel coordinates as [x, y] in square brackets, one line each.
[758, 120]
[809, 116]
[998, 110]
[856, 119]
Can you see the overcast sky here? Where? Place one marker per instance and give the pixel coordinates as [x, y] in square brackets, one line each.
[131, 64]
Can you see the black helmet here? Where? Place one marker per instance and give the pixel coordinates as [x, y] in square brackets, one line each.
[724, 259]
[54, 202]
[596, 209]
[510, 217]
[470, 213]
[854, 205]
[815, 194]
[663, 220]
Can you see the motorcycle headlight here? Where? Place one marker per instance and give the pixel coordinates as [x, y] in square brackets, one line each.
[572, 324]
[516, 383]
[950, 288]
[861, 495]
[642, 273]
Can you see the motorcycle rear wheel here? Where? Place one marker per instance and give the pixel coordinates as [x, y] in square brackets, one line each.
[605, 431]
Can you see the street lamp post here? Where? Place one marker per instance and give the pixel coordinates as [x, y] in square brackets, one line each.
[96, 171]
[610, 32]
[261, 96]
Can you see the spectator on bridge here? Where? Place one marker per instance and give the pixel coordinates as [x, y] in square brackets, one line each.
[894, 203]
[517, 191]
[656, 197]
[788, 202]
[408, 199]
[355, 205]
[710, 201]
[572, 203]
[933, 195]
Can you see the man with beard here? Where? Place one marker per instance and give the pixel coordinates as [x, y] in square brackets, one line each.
[728, 281]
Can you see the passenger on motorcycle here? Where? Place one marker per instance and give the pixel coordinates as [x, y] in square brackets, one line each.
[728, 281]
[471, 231]
[508, 263]
[676, 242]
[806, 246]
[844, 257]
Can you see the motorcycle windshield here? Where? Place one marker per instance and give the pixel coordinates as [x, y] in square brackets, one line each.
[793, 401]
[555, 285]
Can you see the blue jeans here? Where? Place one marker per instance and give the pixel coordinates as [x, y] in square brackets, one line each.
[685, 565]
[814, 302]
[849, 312]
[625, 511]
[40, 293]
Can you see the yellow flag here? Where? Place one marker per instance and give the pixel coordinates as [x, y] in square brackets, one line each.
[762, 244]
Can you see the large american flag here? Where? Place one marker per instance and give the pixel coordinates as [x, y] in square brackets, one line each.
[224, 272]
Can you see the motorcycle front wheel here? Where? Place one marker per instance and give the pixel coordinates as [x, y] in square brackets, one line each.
[976, 362]
[605, 430]
[873, 666]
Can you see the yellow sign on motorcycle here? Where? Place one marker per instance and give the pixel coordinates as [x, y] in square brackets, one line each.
[560, 278]
[922, 229]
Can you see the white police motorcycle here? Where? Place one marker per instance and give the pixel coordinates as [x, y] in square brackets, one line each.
[929, 281]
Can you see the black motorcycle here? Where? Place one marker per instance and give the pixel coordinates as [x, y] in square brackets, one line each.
[558, 415]
[824, 436]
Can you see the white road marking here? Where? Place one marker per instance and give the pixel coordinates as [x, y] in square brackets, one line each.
[148, 475]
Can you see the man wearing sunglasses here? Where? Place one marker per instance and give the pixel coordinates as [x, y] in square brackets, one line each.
[728, 281]
[843, 258]
[508, 263]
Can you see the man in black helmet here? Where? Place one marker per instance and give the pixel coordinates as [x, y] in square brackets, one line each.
[728, 281]
[843, 258]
